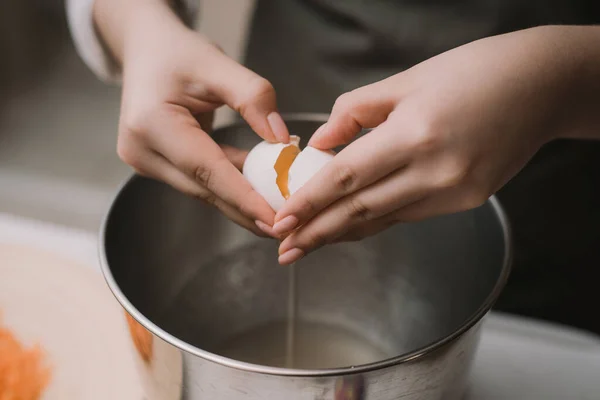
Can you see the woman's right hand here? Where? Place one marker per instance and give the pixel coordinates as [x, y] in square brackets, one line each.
[173, 80]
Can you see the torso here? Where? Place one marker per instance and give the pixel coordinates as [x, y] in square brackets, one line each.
[314, 50]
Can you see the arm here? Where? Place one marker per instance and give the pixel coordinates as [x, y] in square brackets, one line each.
[448, 133]
[116, 20]
[578, 56]
[91, 46]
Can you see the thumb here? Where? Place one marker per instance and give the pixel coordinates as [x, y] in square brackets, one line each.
[362, 108]
[250, 95]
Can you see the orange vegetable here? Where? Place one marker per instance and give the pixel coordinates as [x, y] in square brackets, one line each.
[23, 375]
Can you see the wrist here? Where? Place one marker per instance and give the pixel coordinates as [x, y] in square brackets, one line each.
[121, 23]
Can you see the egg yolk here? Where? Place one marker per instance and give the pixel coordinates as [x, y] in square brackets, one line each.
[282, 167]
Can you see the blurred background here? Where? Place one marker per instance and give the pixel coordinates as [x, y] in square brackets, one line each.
[58, 122]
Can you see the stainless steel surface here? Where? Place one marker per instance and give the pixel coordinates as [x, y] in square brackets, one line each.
[415, 292]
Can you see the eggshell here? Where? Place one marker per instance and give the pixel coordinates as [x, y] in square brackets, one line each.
[259, 170]
[306, 165]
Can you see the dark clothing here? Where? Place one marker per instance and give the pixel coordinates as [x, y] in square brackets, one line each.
[314, 50]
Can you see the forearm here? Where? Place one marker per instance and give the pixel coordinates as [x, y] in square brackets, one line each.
[117, 20]
[577, 51]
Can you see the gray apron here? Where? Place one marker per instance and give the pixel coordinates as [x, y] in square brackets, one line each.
[314, 50]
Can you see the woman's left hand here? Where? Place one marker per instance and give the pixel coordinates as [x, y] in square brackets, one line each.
[448, 133]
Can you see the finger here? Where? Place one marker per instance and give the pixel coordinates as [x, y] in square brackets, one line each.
[443, 195]
[235, 155]
[450, 201]
[156, 166]
[359, 109]
[194, 153]
[368, 205]
[363, 162]
[250, 95]
[367, 229]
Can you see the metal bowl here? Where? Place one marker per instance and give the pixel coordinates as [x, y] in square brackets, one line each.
[401, 311]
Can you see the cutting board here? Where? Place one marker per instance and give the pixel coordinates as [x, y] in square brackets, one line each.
[55, 302]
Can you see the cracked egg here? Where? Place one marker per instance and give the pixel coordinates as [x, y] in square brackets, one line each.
[278, 170]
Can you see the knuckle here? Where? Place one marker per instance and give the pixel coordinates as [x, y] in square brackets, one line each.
[129, 153]
[203, 175]
[245, 204]
[474, 199]
[203, 171]
[346, 178]
[426, 142]
[357, 210]
[427, 136]
[454, 176]
[258, 88]
[308, 206]
[135, 125]
[344, 102]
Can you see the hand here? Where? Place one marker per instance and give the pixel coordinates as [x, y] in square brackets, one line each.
[173, 80]
[447, 134]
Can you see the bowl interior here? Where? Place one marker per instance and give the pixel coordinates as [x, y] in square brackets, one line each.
[203, 280]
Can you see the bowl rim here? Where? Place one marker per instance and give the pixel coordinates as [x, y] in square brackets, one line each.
[414, 355]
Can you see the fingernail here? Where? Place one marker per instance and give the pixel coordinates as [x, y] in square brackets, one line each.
[285, 225]
[264, 227]
[278, 127]
[290, 256]
[318, 133]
